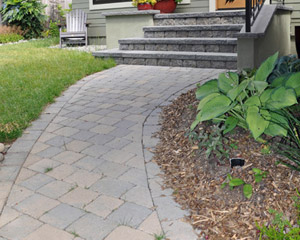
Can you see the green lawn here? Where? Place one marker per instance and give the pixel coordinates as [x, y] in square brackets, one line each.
[32, 75]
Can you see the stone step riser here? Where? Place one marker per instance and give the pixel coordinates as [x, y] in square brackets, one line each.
[191, 34]
[199, 21]
[225, 48]
[217, 64]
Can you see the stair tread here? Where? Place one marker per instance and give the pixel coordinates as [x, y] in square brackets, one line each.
[199, 15]
[179, 40]
[165, 54]
[194, 27]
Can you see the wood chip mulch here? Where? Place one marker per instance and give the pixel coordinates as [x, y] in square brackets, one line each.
[221, 213]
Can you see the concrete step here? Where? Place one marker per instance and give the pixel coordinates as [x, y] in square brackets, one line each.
[237, 17]
[172, 58]
[193, 31]
[228, 45]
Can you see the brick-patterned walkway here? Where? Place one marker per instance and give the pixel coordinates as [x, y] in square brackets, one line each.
[83, 171]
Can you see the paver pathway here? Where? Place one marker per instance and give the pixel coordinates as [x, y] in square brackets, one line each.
[83, 169]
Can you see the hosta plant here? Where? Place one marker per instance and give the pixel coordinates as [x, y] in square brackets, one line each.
[250, 102]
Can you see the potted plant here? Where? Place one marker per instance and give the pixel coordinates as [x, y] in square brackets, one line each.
[166, 6]
[144, 4]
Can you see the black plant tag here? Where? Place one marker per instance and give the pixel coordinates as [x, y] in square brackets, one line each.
[237, 162]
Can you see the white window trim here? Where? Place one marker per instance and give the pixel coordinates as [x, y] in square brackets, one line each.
[119, 5]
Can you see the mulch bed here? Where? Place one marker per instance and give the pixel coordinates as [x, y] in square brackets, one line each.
[221, 213]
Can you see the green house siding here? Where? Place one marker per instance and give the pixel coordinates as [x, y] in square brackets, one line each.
[96, 30]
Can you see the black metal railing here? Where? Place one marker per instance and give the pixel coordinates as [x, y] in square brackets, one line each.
[253, 8]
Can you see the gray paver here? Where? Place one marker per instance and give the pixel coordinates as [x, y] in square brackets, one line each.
[89, 163]
[130, 214]
[62, 216]
[55, 189]
[20, 228]
[88, 227]
[111, 187]
[111, 169]
[96, 150]
[36, 205]
[37, 181]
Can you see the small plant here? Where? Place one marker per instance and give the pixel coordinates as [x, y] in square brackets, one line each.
[280, 229]
[259, 175]
[235, 182]
[266, 149]
[49, 169]
[162, 236]
[75, 234]
[212, 142]
[137, 2]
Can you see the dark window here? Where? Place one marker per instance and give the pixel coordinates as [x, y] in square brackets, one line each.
[109, 1]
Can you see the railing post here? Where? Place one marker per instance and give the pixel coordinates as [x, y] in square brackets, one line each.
[248, 15]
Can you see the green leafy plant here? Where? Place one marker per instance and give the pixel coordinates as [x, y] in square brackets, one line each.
[249, 102]
[28, 14]
[235, 182]
[266, 149]
[259, 175]
[212, 142]
[161, 236]
[285, 65]
[281, 228]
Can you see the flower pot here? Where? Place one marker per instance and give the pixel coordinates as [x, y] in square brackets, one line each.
[144, 6]
[297, 39]
[165, 6]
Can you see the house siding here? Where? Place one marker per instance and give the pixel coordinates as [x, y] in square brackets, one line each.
[96, 30]
[97, 20]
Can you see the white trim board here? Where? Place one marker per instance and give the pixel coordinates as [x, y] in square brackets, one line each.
[119, 5]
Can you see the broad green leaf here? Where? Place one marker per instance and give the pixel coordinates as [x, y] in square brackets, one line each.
[247, 189]
[278, 125]
[223, 185]
[226, 83]
[229, 176]
[260, 86]
[207, 88]
[279, 81]
[230, 124]
[206, 99]
[281, 97]
[234, 76]
[194, 124]
[233, 93]
[253, 101]
[266, 68]
[256, 170]
[236, 182]
[265, 114]
[215, 107]
[258, 178]
[256, 123]
[294, 82]
[264, 97]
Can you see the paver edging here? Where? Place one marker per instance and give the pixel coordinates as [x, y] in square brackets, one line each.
[154, 175]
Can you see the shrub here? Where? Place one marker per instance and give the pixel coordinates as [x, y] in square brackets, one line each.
[28, 14]
[248, 100]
